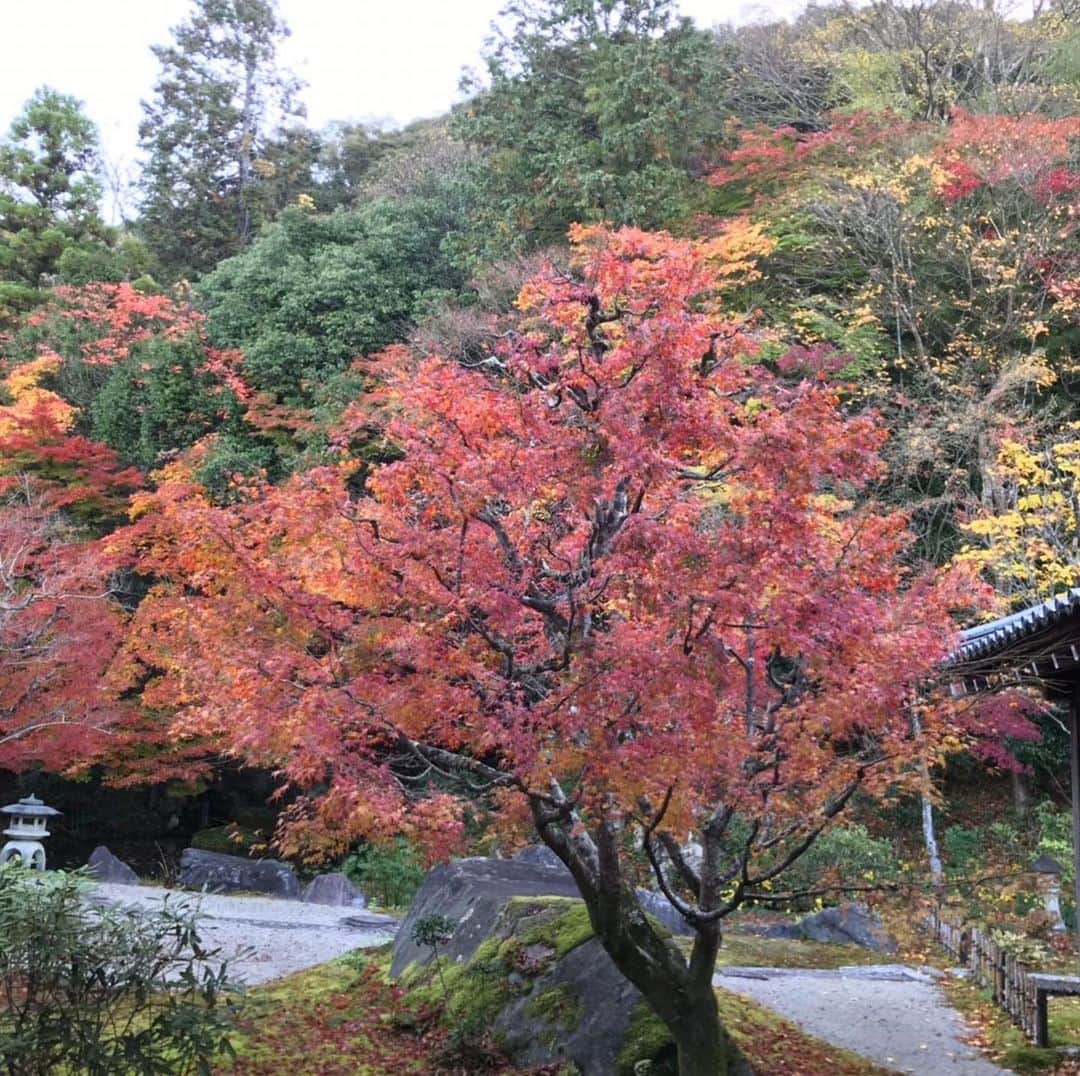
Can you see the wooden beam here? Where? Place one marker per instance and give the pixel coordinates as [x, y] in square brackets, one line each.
[1074, 761]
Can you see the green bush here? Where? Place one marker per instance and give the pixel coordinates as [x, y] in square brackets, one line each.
[846, 855]
[316, 291]
[389, 875]
[1055, 839]
[963, 848]
[103, 991]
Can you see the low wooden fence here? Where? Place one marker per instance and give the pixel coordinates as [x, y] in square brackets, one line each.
[1020, 991]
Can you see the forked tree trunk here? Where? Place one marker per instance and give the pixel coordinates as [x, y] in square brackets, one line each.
[679, 992]
[682, 997]
[703, 1046]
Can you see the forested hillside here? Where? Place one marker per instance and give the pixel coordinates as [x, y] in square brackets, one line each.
[610, 461]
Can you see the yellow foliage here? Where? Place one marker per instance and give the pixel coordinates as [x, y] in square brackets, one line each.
[1032, 549]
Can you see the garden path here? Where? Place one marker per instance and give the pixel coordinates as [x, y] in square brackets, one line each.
[893, 1015]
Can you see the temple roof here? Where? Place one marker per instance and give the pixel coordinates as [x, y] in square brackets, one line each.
[997, 635]
[1039, 643]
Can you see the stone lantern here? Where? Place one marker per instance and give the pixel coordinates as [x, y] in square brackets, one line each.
[1047, 871]
[27, 821]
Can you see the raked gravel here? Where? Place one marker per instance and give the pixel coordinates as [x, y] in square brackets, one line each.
[276, 937]
[896, 1016]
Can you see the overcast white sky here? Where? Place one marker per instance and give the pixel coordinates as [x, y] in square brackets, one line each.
[395, 59]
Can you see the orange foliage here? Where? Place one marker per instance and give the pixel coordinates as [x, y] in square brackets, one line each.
[630, 561]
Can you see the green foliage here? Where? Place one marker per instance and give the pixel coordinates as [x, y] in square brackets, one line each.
[433, 931]
[390, 875]
[1005, 839]
[1027, 950]
[159, 399]
[85, 263]
[963, 848]
[845, 855]
[230, 840]
[596, 110]
[229, 455]
[1055, 839]
[49, 195]
[102, 991]
[316, 291]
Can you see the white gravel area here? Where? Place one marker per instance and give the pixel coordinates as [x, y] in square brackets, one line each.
[280, 936]
[893, 1015]
[897, 1017]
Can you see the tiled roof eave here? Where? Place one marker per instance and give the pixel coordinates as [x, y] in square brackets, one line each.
[997, 636]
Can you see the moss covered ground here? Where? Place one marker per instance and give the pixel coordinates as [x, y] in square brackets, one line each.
[346, 1017]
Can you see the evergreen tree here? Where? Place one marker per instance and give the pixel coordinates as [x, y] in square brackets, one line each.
[219, 95]
[596, 110]
[49, 194]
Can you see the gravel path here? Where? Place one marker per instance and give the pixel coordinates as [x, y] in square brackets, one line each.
[891, 1014]
[283, 936]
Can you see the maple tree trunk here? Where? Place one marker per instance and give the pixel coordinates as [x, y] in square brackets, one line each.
[682, 998]
[702, 1044]
[680, 993]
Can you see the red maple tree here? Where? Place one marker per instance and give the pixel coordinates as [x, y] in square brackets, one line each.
[623, 585]
[58, 632]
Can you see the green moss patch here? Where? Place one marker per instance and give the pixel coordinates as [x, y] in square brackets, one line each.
[748, 950]
[646, 1039]
[530, 935]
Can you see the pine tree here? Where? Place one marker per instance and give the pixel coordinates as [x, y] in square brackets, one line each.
[49, 193]
[218, 97]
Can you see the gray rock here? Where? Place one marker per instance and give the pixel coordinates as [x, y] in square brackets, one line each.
[213, 872]
[658, 906]
[578, 1010]
[371, 921]
[787, 931]
[472, 892]
[334, 889]
[848, 924]
[105, 867]
[541, 856]
[560, 997]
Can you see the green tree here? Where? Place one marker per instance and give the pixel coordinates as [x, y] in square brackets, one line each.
[49, 195]
[596, 110]
[319, 290]
[158, 400]
[218, 98]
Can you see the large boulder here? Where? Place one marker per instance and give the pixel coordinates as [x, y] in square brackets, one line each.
[558, 1005]
[540, 856]
[105, 867]
[548, 994]
[334, 889]
[472, 892]
[659, 907]
[848, 924]
[213, 872]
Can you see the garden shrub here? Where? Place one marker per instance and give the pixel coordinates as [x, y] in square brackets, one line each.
[389, 874]
[963, 848]
[1055, 839]
[846, 855]
[104, 991]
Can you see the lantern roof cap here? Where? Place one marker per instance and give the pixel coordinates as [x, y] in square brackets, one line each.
[30, 807]
[1045, 865]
